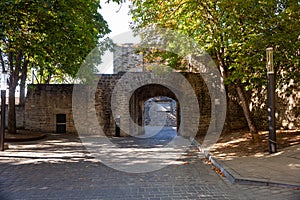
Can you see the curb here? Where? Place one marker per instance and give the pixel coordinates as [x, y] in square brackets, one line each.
[25, 138]
[236, 178]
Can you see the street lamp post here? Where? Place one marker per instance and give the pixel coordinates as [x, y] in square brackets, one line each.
[271, 101]
[3, 104]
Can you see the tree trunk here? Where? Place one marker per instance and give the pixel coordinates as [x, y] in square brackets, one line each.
[12, 127]
[227, 126]
[246, 110]
[15, 68]
[23, 82]
[223, 69]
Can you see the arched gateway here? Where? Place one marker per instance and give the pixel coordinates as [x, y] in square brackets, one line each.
[141, 113]
[133, 89]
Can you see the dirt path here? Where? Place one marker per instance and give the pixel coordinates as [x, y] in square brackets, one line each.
[239, 144]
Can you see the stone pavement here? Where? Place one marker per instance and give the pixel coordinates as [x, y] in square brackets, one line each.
[59, 167]
[278, 169]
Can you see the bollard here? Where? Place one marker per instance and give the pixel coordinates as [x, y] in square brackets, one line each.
[2, 129]
[118, 131]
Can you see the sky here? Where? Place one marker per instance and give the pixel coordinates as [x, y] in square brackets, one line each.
[117, 17]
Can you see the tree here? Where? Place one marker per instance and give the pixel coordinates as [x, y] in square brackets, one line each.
[235, 33]
[53, 36]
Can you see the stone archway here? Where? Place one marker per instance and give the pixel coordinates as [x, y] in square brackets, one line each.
[144, 93]
[133, 89]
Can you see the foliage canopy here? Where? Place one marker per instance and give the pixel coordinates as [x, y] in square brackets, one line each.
[52, 36]
[235, 33]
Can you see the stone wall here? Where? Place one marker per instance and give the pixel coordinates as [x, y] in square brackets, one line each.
[20, 118]
[287, 103]
[45, 102]
[103, 102]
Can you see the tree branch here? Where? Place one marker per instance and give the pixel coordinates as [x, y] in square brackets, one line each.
[179, 6]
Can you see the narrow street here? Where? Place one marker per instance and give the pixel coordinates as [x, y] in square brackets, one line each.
[59, 167]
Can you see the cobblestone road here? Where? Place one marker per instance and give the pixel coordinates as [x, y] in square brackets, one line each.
[59, 167]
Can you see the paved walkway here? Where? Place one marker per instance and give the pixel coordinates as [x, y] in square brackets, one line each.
[282, 168]
[60, 167]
